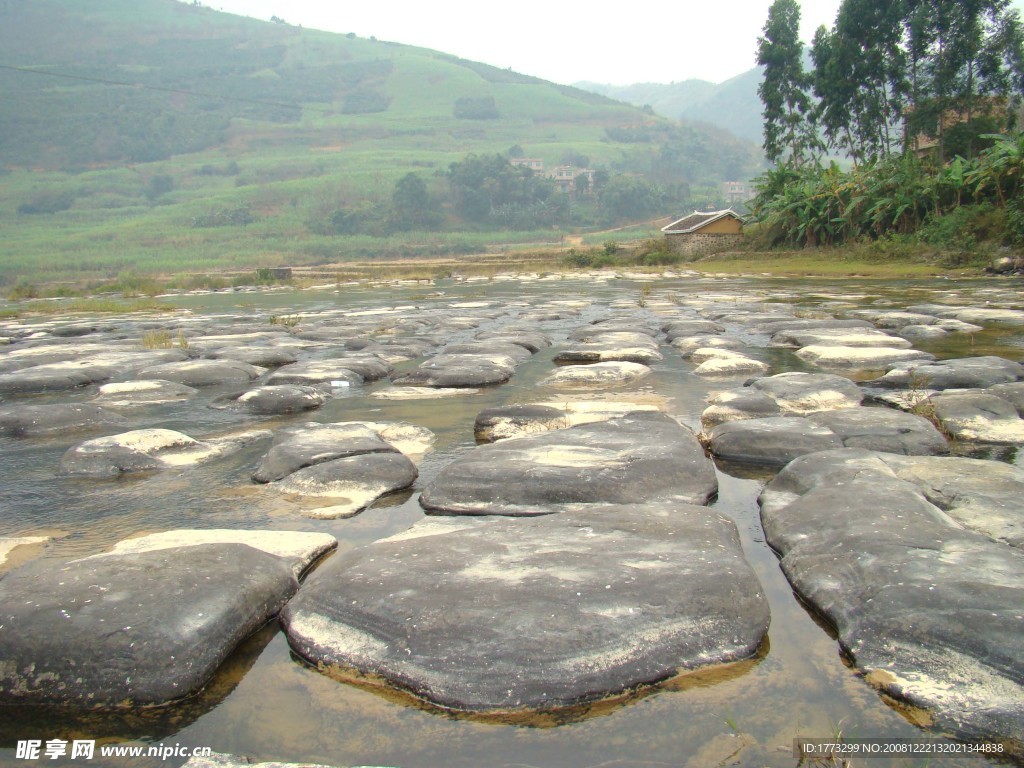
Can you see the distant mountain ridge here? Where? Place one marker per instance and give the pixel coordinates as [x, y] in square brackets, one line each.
[733, 105]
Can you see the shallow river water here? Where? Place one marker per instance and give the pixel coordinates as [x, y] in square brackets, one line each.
[266, 704]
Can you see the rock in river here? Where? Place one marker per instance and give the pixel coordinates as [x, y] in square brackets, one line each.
[460, 370]
[277, 399]
[642, 457]
[961, 372]
[496, 614]
[31, 420]
[778, 440]
[785, 394]
[149, 449]
[133, 629]
[203, 373]
[917, 562]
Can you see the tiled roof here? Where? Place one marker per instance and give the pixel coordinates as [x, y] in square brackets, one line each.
[696, 220]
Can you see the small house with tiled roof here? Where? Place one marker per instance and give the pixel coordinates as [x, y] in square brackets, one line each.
[704, 232]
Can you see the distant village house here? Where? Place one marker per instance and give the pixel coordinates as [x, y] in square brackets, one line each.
[535, 164]
[706, 232]
[737, 192]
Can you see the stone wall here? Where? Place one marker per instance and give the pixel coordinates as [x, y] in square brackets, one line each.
[699, 244]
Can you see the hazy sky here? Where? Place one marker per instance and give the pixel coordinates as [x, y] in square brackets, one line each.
[618, 42]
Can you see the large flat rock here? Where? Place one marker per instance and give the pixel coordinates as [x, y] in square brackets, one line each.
[917, 562]
[460, 370]
[132, 629]
[785, 394]
[31, 420]
[143, 450]
[780, 439]
[298, 549]
[496, 614]
[863, 358]
[203, 373]
[641, 457]
[962, 372]
[596, 375]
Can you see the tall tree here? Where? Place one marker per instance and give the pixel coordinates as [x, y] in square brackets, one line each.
[788, 126]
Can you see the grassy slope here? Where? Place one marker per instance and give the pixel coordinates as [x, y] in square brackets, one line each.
[294, 163]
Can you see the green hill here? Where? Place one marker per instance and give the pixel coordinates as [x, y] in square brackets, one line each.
[155, 135]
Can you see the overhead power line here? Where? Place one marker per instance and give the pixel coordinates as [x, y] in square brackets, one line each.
[163, 89]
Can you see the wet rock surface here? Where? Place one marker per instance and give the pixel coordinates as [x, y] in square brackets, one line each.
[641, 457]
[148, 392]
[33, 420]
[596, 375]
[460, 370]
[144, 450]
[606, 600]
[785, 394]
[203, 373]
[347, 342]
[898, 553]
[956, 373]
[278, 399]
[132, 629]
[779, 440]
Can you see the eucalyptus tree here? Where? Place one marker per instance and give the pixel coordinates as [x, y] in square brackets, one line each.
[789, 131]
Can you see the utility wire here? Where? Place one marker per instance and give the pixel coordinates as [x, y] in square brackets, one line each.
[162, 89]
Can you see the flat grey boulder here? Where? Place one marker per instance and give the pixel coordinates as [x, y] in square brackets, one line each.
[508, 348]
[298, 549]
[784, 394]
[347, 465]
[725, 362]
[502, 615]
[264, 357]
[595, 346]
[309, 444]
[675, 329]
[687, 345]
[502, 422]
[277, 399]
[863, 358]
[32, 420]
[915, 333]
[460, 370]
[143, 450]
[203, 373]
[126, 394]
[132, 629]
[776, 440]
[957, 373]
[978, 417]
[349, 485]
[892, 318]
[595, 375]
[54, 377]
[846, 337]
[332, 373]
[773, 327]
[641, 457]
[1012, 392]
[779, 440]
[524, 337]
[897, 553]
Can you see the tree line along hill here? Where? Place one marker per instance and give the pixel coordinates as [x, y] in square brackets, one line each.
[157, 135]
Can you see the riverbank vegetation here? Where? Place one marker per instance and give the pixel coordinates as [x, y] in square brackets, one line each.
[923, 99]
